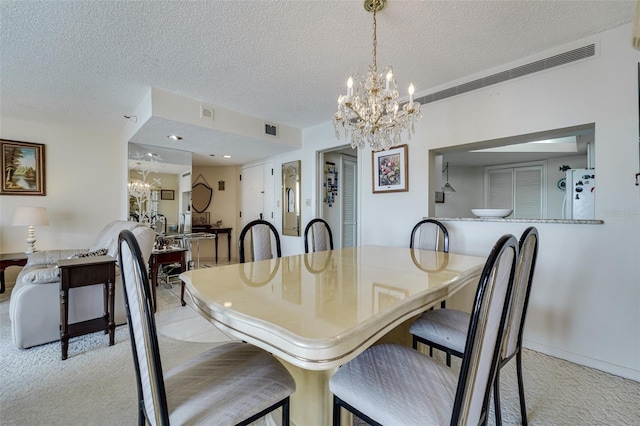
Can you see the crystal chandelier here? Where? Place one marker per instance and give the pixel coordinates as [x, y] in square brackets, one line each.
[141, 190]
[372, 114]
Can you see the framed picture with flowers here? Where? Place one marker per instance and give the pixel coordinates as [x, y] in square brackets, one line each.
[390, 169]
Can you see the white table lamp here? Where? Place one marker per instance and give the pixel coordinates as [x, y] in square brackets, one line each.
[30, 216]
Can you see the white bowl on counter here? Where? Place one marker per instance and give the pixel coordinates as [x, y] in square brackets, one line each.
[492, 212]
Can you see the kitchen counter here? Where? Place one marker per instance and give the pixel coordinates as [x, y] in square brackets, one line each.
[499, 219]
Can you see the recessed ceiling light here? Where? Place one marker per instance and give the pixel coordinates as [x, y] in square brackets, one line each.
[175, 137]
[227, 156]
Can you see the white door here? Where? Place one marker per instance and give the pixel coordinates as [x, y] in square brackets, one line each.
[256, 189]
[252, 194]
[349, 201]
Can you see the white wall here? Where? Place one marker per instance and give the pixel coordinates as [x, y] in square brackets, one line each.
[86, 180]
[469, 185]
[223, 207]
[585, 303]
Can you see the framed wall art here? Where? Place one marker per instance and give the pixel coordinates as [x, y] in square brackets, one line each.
[390, 170]
[22, 168]
[167, 194]
[200, 219]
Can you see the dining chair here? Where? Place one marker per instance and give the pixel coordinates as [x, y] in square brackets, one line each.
[395, 385]
[232, 383]
[430, 234]
[446, 329]
[321, 236]
[261, 233]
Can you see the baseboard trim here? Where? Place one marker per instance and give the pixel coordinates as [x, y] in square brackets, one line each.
[618, 370]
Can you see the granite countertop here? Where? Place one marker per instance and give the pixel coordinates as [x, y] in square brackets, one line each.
[498, 219]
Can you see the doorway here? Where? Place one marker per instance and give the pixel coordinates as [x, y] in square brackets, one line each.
[338, 173]
[256, 193]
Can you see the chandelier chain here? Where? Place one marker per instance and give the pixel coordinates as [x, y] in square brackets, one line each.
[375, 40]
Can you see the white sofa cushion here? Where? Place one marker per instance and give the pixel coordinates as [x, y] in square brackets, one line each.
[42, 275]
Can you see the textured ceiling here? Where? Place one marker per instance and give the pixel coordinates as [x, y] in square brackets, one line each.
[89, 63]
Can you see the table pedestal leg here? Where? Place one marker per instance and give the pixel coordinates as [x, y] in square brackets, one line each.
[311, 404]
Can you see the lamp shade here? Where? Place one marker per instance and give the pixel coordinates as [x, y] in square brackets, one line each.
[30, 216]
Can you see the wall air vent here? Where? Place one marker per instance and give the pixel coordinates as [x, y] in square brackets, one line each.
[206, 112]
[574, 55]
[271, 129]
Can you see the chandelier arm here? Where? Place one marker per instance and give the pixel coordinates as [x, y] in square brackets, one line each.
[355, 112]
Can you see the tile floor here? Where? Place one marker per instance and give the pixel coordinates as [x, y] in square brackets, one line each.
[183, 322]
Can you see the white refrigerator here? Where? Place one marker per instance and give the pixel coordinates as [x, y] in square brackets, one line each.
[580, 194]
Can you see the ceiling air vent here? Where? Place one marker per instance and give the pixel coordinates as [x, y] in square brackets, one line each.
[206, 112]
[271, 129]
[574, 55]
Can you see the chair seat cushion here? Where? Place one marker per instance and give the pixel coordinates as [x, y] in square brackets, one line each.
[225, 385]
[396, 385]
[444, 327]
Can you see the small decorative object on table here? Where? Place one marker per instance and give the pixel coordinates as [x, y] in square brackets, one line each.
[218, 224]
[200, 218]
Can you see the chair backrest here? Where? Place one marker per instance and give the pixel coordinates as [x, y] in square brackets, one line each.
[108, 236]
[486, 331]
[321, 236]
[261, 233]
[142, 329]
[521, 291]
[159, 223]
[429, 234]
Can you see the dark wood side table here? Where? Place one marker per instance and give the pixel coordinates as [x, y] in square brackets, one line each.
[10, 259]
[164, 257]
[79, 273]
[217, 231]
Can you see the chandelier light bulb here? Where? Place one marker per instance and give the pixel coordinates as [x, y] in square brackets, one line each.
[350, 87]
[389, 77]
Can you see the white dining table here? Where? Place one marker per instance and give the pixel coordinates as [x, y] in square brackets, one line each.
[317, 311]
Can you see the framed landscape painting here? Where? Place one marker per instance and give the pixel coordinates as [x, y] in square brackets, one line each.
[22, 168]
[390, 170]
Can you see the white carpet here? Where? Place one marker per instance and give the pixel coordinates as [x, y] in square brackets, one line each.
[96, 385]
[561, 393]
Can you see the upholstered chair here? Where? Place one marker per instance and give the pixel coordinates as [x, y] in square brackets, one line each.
[446, 329]
[318, 233]
[263, 236]
[232, 383]
[390, 384]
[430, 234]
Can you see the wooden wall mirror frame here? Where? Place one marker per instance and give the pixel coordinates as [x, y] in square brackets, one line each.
[291, 198]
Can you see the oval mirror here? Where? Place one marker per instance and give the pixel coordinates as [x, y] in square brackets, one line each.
[201, 194]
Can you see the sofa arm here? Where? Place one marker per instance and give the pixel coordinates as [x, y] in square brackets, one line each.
[49, 257]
